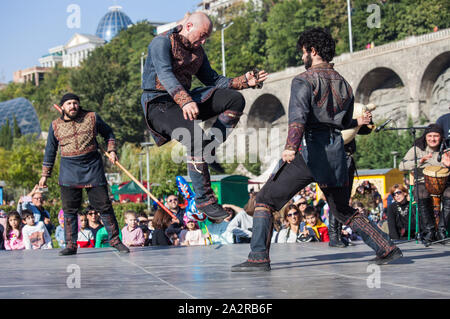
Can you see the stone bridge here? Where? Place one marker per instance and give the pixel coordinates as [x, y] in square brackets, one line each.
[408, 78]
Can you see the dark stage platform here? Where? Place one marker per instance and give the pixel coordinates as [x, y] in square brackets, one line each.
[309, 270]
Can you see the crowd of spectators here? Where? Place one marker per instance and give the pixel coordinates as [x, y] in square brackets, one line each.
[303, 219]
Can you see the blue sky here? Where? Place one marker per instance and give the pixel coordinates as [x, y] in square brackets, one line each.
[28, 28]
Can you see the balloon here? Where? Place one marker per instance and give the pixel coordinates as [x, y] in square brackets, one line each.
[189, 195]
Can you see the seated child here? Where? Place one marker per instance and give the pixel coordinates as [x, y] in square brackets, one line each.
[35, 235]
[13, 233]
[59, 233]
[132, 235]
[313, 222]
[85, 235]
[194, 236]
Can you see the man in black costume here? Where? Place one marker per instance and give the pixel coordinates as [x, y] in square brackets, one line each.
[321, 105]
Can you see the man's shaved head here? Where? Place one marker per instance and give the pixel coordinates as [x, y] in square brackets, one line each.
[197, 27]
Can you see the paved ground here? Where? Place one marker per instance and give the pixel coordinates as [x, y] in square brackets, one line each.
[309, 270]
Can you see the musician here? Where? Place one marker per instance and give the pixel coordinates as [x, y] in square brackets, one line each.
[427, 150]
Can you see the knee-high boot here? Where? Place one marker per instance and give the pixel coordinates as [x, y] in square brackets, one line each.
[205, 198]
[426, 218]
[444, 217]
[335, 232]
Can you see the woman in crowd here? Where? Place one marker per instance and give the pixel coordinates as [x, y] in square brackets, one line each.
[161, 222]
[398, 214]
[292, 233]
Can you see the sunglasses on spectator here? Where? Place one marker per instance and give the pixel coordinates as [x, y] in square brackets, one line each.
[302, 203]
[94, 213]
[292, 214]
[398, 193]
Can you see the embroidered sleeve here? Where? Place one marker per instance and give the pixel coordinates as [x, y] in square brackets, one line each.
[239, 83]
[107, 133]
[295, 135]
[50, 152]
[181, 97]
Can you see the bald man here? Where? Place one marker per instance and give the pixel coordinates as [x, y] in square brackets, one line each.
[173, 111]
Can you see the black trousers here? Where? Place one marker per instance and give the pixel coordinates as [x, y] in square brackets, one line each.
[167, 119]
[279, 190]
[99, 199]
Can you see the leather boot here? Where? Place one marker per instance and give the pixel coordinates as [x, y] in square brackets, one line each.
[205, 198]
[426, 221]
[444, 216]
[335, 232]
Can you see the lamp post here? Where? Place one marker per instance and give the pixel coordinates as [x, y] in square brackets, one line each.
[142, 65]
[147, 145]
[223, 47]
[394, 153]
[350, 36]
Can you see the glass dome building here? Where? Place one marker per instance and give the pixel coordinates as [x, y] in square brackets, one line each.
[112, 23]
[24, 113]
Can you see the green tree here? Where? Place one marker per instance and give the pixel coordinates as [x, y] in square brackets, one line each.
[6, 137]
[109, 82]
[16, 129]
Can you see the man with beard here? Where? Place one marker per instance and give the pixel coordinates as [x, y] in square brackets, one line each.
[173, 110]
[321, 105]
[81, 167]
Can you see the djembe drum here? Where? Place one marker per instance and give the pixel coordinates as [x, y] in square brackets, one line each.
[435, 182]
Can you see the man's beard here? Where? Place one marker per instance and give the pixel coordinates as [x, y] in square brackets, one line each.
[70, 116]
[308, 61]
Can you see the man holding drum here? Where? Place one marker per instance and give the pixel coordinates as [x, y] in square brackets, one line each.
[427, 150]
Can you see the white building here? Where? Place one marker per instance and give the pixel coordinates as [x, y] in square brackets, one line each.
[79, 48]
[54, 57]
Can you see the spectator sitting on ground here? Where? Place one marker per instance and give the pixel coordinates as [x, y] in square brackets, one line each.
[161, 222]
[193, 236]
[218, 229]
[13, 232]
[35, 234]
[59, 233]
[33, 202]
[292, 233]
[132, 235]
[3, 223]
[242, 224]
[101, 239]
[302, 204]
[85, 237]
[313, 222]
[398, 214]
[143, 224]
[94, 220]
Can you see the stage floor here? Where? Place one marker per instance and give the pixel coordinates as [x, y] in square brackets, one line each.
[307, 270]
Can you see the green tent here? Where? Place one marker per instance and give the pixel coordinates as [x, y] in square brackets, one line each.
[131, 189]
[229, 189]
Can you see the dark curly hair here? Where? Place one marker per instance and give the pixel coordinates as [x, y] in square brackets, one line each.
[319, 39]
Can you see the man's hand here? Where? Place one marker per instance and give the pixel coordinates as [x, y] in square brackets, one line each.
[252, 81]
[190, 111]
[426, 158]
[288, 156]
[42, 182]
[365, 119]
[113, 157]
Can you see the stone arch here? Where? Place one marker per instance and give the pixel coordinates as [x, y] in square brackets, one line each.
[378, 78]
[437, 68]
[266, 110]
